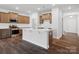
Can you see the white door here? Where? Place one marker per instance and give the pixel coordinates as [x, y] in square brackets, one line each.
[70, 24]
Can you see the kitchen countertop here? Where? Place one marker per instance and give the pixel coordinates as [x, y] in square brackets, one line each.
[5, 28]
[30, 28]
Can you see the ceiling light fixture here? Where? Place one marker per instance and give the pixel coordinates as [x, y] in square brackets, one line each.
[70, 16]
[69, 7]
[53, 4]
[38, 8]
[17, 8]
[29, 11]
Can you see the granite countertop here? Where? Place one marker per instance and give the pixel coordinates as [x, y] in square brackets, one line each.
[30, 28]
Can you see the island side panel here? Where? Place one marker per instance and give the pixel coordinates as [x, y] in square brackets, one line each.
[39, 38]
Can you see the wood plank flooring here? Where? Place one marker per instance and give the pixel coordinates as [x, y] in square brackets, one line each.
[67, 44]
[23, 47]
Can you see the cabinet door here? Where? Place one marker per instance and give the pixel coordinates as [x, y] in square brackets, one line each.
[26, 19]
[23, 19]
[0, 17]
[47, 16]
[13, 15]
[4, 17]
[5, 33]
[41, 20]
[44, 17]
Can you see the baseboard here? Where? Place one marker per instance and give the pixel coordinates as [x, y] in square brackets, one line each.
[37, 45]
[58, 37]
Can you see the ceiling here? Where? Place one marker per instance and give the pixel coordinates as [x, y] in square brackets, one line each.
[26, 8]
[29, 8]
[68, 7]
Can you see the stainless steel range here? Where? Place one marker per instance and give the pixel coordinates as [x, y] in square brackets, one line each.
[15, 30]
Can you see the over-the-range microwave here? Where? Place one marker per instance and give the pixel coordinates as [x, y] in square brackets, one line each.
[13, 20]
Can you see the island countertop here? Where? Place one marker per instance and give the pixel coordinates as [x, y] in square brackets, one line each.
[31, 29]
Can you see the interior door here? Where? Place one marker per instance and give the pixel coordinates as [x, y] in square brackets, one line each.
[70, 24]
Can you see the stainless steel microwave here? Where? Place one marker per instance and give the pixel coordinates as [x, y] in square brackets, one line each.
[13, 20]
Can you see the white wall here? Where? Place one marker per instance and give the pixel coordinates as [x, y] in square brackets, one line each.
[34, 17]
[57, 23]
[60, 30]
[3, 10]
[78, 25]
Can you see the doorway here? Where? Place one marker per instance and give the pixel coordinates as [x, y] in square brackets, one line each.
[70, 27]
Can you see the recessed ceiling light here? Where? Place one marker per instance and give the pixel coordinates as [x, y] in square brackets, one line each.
[38, 8]
[53, 4]
[70, 16]
[17, 8]
[8, 10]
[69, 7]
[29, 11]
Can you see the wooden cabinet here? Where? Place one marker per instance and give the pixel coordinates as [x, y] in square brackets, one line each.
[13, 15]
[19, 18]
[5, 33]
[4, 17]
[0, 16]
[23, 19]
[46, 16]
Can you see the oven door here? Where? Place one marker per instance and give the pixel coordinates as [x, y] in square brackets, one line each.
[14, 32]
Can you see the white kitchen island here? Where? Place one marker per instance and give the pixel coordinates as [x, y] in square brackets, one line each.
[39, 37]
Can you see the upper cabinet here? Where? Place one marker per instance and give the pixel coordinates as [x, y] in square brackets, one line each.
[46, 16]
[4, 17]
[13, 15]
[7, 17]
[23, 19]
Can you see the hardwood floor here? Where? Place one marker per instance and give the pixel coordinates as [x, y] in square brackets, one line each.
[67, 44]
[23, 47]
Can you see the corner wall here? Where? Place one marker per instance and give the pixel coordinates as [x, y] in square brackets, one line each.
[57, 23]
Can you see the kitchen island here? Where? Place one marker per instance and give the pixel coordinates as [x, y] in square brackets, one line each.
[39, 37]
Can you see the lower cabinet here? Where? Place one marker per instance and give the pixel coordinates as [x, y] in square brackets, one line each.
[5, 33]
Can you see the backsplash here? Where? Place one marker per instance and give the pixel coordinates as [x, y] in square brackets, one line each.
[6, 25]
